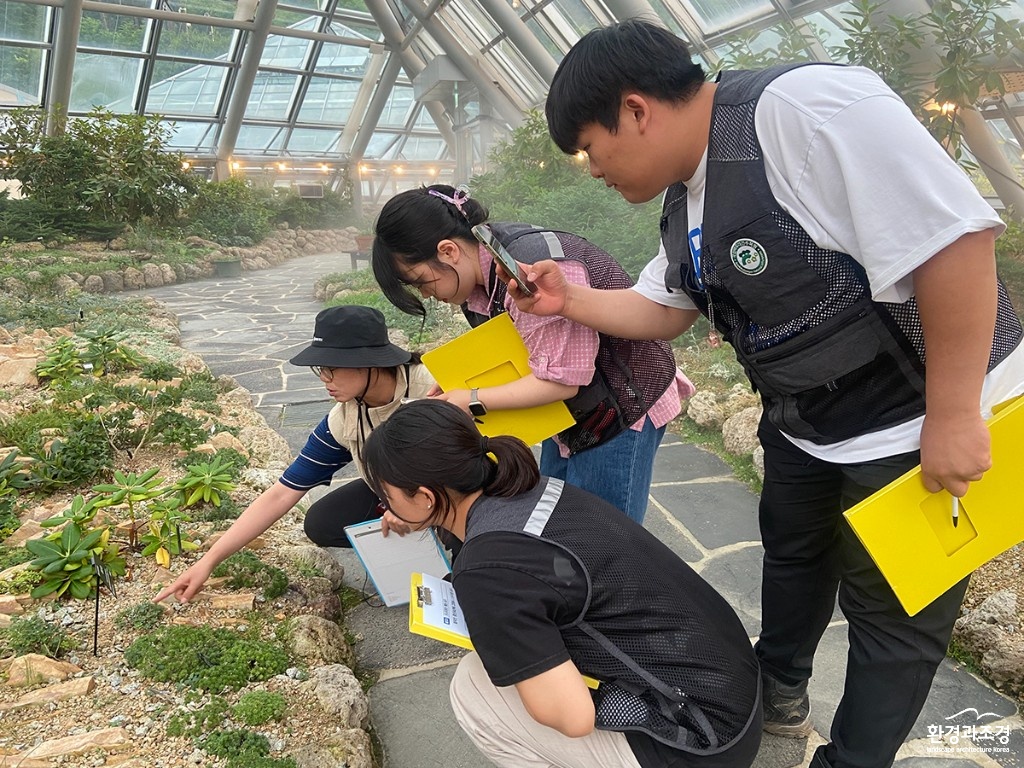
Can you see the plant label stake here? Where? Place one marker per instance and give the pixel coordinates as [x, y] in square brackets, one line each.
[104, 578]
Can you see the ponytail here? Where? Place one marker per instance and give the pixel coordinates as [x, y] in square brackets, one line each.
[516, 469]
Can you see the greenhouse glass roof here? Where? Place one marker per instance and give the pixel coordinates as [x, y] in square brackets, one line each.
[399, 90]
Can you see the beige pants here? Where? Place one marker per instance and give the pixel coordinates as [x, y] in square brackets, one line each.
[501, 728]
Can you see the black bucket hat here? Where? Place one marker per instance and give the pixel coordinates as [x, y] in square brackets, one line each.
[351, 337]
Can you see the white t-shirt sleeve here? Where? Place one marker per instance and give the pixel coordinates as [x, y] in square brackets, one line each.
[847, 159]
[651, 284]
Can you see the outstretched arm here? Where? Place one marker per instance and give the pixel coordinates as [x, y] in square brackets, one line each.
[269, 507]
[623, 313]
[956, 296]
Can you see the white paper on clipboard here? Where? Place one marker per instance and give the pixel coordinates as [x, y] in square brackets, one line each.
[391, 560]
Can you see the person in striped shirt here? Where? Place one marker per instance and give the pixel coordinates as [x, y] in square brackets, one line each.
[368, 377]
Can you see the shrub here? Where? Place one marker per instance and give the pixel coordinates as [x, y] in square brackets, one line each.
[175, 428]
[230, 213]
[80, 456]
[247, 570]
[31, 634]
[141, 616]
[259, 707]
[114, 168]
[332, 210]
[159, 371]
[209, 659]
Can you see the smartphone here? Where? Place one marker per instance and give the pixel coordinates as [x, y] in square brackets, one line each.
[498, 251]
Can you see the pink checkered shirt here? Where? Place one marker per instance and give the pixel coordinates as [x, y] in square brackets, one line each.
[564, 351]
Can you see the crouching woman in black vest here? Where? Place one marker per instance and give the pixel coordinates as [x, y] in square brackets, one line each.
[555, 583]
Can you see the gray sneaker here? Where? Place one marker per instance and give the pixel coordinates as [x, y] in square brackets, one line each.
[787, 710]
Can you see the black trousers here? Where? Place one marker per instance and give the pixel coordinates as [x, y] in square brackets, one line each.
[352, 503]
[327, 517]
[810, 553]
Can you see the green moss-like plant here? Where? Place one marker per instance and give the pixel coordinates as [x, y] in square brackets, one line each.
[195, 723]
[10, 556]
[209, 659]
[141, 616]
[247, 570]
[235, 744]
[259, 707]
[251, 761]
[31, 634]
[21, 583]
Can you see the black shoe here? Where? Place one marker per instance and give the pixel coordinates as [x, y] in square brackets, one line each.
[787, 710]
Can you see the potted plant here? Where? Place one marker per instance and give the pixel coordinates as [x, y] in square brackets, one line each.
[227, 266]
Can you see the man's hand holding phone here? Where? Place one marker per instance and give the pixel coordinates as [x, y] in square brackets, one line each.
[509, 266]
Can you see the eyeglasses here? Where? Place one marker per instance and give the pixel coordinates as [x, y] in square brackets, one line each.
[323, 372]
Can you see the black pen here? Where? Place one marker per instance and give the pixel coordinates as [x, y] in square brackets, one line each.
[956, 511]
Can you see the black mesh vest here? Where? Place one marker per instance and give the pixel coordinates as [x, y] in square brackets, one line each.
[829, 362]
[629, 376]
[673, 659]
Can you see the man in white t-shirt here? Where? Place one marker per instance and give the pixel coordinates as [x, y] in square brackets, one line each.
[831, 241]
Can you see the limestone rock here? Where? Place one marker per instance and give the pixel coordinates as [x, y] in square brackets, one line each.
[168, 274]
[227, 440]
[314, 595]
[758, 458]
[10, 606]
[705, 411]
[9, 573]
[30, 529]
[78, 686]
[152, 275]
[989, 632]
[94, 284]
[319, 641]
[113, 281]
[265, 446]
[319, 560]
[19, 372]
[34, 668]
[349, 749]
[133, 279]
[740, 396]
[340, 695]
[107, 739]
[740, 431]
[63, 285]
[230, 601]
[259, 478]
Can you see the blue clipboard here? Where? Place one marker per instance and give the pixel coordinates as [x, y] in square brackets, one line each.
[390, 561]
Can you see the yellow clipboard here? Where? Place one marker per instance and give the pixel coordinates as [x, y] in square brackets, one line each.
[909, 532]
[431, 604]
[487, 356]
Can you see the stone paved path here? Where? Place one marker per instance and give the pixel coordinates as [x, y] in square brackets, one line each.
[248, 327]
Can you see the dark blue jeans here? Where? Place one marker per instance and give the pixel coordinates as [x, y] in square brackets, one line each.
[810, 553]
[619, 471]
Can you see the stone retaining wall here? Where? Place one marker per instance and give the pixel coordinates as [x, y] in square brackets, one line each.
[148, 272]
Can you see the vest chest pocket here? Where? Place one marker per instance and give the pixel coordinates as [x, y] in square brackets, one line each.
[817, 357]
[770, 281]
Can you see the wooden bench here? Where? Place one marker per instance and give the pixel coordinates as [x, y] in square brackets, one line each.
[357, 256]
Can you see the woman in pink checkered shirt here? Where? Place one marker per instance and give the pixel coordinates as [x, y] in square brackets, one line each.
[621, 392]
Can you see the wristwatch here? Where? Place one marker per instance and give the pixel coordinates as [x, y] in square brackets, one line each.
[475, 406]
